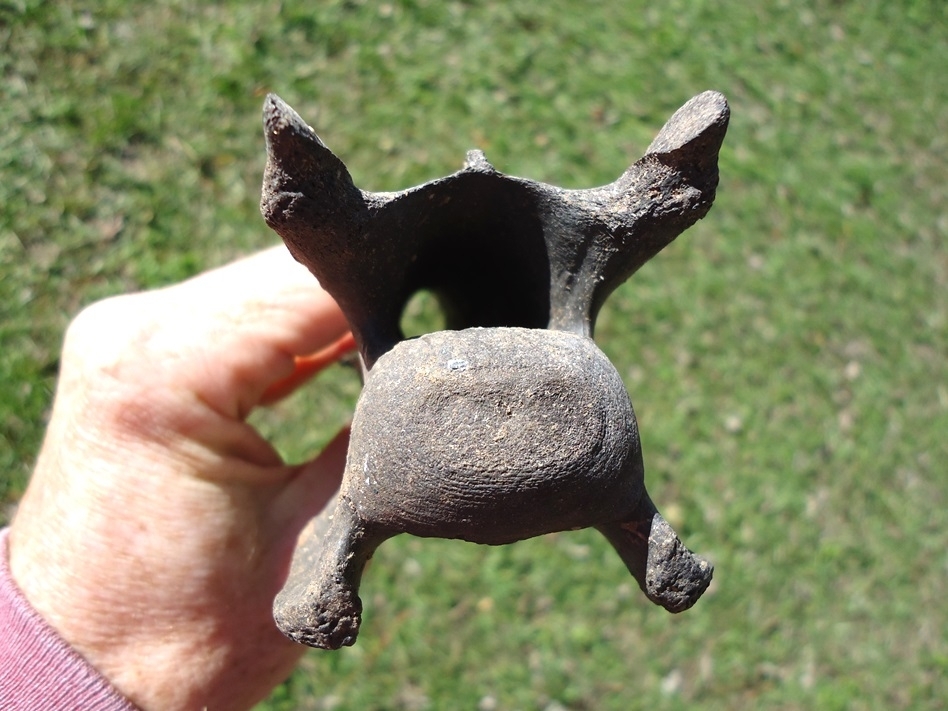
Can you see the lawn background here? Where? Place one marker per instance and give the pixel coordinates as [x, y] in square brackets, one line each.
[786, 356]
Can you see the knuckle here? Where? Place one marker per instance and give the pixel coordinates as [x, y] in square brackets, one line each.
[106, 333]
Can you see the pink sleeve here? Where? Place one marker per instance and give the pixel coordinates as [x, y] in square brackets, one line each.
[38, 669]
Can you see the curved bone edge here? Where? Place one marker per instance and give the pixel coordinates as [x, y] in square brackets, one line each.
[494, 436]
[303, 178]
[669, 574]
[595, 239]
[319, 605]
[626, 223]
[309, 199]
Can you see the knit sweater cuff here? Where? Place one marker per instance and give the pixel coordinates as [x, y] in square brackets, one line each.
[38, 669]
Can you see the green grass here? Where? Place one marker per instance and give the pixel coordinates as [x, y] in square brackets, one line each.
[786, 357]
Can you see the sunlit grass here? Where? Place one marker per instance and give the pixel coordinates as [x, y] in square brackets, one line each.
[786, 356]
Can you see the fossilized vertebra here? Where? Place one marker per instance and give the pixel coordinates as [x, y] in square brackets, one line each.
[513, 423]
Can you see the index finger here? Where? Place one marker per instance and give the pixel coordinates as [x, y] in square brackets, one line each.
[240, 328]
[306, 367]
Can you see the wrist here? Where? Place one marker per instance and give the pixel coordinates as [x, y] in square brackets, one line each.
[147, 586]
[38, 669]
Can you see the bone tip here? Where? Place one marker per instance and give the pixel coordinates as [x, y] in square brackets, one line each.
[277, 113]
[706, 114]
[324, 632]
[273, 102]
[476, 160]
[675, 578]
[281, 122]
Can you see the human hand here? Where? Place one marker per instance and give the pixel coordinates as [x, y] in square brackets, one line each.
[159, 525]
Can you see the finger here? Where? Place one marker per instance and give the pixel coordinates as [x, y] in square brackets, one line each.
[306, 367]
[269, 283]
[238, 330]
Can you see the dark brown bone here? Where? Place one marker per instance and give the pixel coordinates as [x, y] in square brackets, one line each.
[514, 423]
